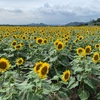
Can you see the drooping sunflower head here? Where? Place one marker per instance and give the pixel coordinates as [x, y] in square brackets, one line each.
[60, 46]
[44, 69]
[4, 65]
[39, 40]
[88, 49]
[81, 51]
[19, 61]
[66, 75]
[95, 57]
[37, 66]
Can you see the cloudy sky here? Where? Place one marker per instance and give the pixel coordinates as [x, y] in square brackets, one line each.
[48, 11]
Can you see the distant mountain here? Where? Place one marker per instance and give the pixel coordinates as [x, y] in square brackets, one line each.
[37, 24]
[90, 23]
[95, 22]
[76, 24]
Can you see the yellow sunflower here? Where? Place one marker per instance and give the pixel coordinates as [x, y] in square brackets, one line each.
[14, 43]
[4, 65]
[21, 43]
[60, 46]
[88, 49]
[37, 66]
[17, 47]
[97, 45]
[66, 75]
[44, 69]
[19, 61]
[95, 57]
[23, 37]
[81, 51]
[80, 38]
[56, 42]
[39, 40]
[45, 41]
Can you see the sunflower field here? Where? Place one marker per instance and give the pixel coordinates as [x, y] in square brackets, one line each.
[49, 63]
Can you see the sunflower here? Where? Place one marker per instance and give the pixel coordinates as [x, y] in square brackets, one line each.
[80, 38]
[66, 75]
[35, 37]
[97, 45]
[23, 37]
[14, 43]
[56, 42]
[60, 46]
[21, 43]
[4, 65]
[14, 36]
[39, 40]
[37, 66]
[17, 47]
[19, 61]
[45, 41]
[95, 57]
[88, 49]
[44, 69]
[81, 51]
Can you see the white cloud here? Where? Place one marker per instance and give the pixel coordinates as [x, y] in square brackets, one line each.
[48, 11]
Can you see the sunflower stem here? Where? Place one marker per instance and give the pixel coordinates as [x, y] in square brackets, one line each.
[18, 70]
[3, 75]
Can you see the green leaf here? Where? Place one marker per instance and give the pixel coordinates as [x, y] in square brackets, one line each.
[89, 83]
[73, 85]
[79, 69]
[53, 59]
[62, 94]
[52, 52]
[45, 91]
[55, 78]
[56, 87]
[79, 77]
[83, 94]
[98, 96]
[31, 96]
[71, 81]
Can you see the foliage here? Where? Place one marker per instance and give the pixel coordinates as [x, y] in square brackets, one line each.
[49, 63]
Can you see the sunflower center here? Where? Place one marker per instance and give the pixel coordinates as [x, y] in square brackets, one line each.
[20, 61]
[39, 41]
[18, 46]
[96, 57]
[80, 38]
[66, 76]
[3, 65]
[45, 41]
[59, 46]
[80, 50]
[14, 43]
[87, 50]
[44, 71]
[97, 45]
